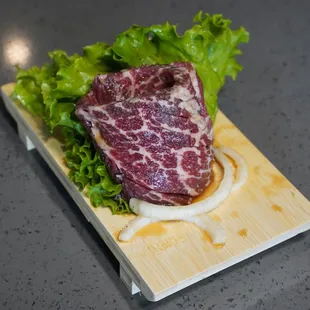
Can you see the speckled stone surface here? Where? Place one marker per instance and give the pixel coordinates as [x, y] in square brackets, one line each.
[51, 258]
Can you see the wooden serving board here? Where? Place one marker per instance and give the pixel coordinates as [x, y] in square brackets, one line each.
[167, 257]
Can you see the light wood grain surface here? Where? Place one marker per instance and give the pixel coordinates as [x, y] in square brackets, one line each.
[166, 257]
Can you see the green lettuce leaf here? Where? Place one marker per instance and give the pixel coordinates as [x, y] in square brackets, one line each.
[29, 95]
[210, 45]
[87, 168]
[75, 77]
[51, 92]
[28, 88]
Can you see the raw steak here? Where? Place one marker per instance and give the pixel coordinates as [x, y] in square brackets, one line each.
[152, 129]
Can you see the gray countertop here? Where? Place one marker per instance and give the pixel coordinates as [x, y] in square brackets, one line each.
[51, 258]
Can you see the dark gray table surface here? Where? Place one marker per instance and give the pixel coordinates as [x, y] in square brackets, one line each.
[51, 258]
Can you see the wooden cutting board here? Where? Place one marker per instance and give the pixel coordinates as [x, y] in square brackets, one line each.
[167, 257]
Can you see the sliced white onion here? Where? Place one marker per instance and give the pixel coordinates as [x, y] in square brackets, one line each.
[241, 170]
[160, 212]
[133, 226]
[215, 230]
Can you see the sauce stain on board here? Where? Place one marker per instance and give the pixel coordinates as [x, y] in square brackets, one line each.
[216, 144]
[256, 169]
[277, 208]
[234, 214]
[216, 218]
[279, 180]
[206, 238]
[116, 234]
[269, 190]
[243, 232]
[277, 183]
[153, 229]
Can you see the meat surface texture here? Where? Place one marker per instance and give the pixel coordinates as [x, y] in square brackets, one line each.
[152, 129]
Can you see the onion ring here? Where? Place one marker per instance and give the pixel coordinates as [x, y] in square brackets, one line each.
[216, 231]
[241, 171]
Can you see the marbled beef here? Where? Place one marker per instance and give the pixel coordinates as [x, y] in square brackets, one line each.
[153, 131]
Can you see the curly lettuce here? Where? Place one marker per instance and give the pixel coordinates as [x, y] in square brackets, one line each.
[52, 91]
[210, 45]
[88, 170]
